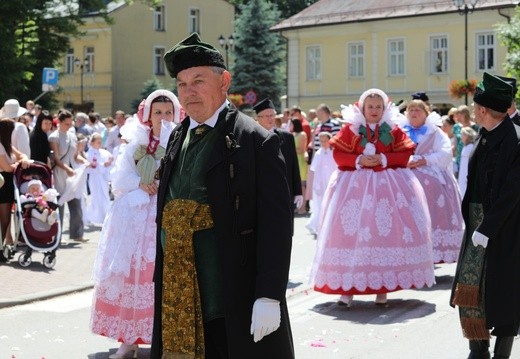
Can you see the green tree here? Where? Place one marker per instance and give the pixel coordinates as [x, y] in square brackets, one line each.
[259, 53]
[35, 34]
[287, 7]
[509, 36]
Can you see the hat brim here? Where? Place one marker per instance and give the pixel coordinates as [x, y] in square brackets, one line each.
[21, 111]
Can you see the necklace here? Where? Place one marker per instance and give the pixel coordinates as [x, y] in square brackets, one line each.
[153, 143]
[372, 138]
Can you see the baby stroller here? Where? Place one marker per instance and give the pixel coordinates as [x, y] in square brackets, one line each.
[37, 235]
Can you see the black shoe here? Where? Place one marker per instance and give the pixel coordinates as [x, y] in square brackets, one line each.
[479, 349]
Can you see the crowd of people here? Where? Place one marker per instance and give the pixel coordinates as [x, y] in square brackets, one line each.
[208, 197]
[78, 148]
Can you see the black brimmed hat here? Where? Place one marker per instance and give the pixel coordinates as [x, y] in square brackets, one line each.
[262, 105]
[494, 93]
[192, 52]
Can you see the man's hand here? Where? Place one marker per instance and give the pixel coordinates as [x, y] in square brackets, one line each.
[298, 201]
[265, 318]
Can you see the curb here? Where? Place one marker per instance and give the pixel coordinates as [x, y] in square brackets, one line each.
[25, 299]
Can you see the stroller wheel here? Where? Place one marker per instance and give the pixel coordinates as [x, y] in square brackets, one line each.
[49, 261]
[24, 260]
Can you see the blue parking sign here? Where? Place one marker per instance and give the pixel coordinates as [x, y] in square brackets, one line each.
[49, 79]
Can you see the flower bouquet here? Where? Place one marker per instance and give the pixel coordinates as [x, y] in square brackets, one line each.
[237, 99]
[459, 88]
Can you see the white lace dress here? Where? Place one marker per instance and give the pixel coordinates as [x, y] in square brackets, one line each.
[123, 271]
[442, 193]
[374, 236]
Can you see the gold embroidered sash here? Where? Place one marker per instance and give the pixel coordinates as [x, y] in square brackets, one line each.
[182, 327]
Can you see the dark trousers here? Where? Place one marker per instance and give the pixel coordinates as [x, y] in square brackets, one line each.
[75, 218]
[215, 339]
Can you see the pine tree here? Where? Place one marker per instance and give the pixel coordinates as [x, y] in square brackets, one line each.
[287, 7]
[259, 53]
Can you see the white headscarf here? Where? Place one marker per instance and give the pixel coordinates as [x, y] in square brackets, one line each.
[136, 128]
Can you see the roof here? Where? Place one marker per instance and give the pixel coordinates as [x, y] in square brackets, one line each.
[330, 12]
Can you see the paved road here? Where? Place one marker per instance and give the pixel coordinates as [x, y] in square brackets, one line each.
[415, 324]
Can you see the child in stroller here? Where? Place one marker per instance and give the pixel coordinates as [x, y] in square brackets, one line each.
[32, 227]
[40, 204]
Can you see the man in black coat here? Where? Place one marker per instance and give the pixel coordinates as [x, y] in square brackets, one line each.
[265, 115]
[486, 287]
[512, 111]
[224, 224]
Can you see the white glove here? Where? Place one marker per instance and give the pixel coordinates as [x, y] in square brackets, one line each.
[298, 201]
[479, 239]
[265, 318]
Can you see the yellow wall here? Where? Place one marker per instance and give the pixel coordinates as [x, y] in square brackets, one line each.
[124, 51]
[335, 86]
[96, 85]
[135, 38]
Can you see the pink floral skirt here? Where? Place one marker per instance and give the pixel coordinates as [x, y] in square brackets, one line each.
[123, 301]
[126, 316]
[445, 211]
[375, 235]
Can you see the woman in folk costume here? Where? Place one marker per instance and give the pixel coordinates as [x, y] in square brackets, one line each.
[100, 160]
[375, 235]
[123, 271]
[431, 164]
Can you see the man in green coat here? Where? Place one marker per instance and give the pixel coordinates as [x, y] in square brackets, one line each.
[486, 287]
[224, 220]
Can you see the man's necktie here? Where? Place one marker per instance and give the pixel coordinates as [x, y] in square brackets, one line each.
[201, 129]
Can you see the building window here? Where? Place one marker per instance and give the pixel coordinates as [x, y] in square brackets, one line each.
[194, 21]
[313, 63]
[158, 19]
[158, 63]
[439, 51]
[486, 51]
[396, 57]
[89, 56]
[356, 59]
[69, 61]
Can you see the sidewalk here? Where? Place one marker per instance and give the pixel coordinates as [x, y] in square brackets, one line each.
[74, 262]
[72, 272]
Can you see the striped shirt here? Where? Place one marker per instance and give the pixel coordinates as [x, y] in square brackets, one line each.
[331, 125]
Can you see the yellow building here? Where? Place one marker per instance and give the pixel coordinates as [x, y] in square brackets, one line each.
[107, 66]
[339, 48]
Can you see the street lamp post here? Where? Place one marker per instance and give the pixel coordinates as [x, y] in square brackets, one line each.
[226, 44]
[464, 9]
[81, 65]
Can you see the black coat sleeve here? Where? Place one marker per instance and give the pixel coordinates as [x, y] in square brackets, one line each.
[274, 221]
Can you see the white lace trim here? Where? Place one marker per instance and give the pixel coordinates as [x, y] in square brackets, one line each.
[376, 256]
[136, 296]
[446, 244]
[363, 280]
[127, 330]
